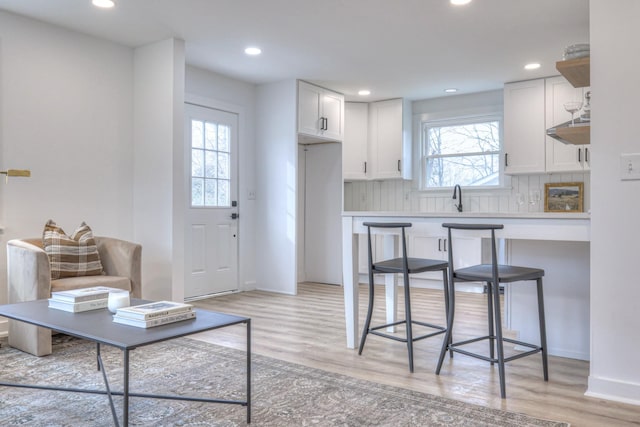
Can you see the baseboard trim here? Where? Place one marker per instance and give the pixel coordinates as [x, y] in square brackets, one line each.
[4, 328]
[615, 390]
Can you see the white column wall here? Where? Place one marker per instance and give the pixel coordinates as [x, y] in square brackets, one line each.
[159, 166]
[276, 178]
[615, 234]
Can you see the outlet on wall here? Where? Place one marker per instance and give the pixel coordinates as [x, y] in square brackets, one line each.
[251, 195]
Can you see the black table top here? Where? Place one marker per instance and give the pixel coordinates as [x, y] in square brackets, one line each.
[98, 325]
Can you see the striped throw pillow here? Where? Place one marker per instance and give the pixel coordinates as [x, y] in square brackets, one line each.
[71, 256]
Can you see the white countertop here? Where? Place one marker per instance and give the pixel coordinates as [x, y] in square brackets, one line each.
[524, 215]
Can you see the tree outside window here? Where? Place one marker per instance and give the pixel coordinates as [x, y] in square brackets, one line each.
[465, 153]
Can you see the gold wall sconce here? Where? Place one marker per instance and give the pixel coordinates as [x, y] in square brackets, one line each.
[15, 172]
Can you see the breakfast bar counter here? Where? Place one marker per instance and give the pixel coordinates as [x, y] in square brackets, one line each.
[556, 242]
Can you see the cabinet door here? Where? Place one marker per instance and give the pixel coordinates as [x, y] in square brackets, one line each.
[561, 157]
[524, 127]
[354, 143]
[308, 108]
[333, 114]
[385, 120]
[430, 247]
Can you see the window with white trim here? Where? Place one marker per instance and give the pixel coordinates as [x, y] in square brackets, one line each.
[462, 151]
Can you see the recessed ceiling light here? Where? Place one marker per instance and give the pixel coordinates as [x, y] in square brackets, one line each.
[253, 51]
[451, 90]
[460, 2]
[532, 66]
[364, 92]
[105, 4]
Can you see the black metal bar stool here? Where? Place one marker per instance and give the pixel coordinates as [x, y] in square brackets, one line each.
[493, 274]
[404, 266]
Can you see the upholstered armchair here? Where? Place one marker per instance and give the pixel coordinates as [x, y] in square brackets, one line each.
[29, 278]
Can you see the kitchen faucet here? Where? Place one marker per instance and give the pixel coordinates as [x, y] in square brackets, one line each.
[459, 190]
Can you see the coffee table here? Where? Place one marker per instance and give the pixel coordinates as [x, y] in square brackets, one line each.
[97, 326]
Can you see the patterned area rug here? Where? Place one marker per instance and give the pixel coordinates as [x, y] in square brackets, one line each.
[284, 394]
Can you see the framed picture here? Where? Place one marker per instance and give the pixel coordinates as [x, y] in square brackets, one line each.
[564, 197]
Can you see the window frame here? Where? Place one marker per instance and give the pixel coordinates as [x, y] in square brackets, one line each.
[460, 120]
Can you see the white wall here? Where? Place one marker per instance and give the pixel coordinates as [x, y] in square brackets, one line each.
[66, 113]
[277, 175]
[615, 234]
[221, 92]
[159, 117]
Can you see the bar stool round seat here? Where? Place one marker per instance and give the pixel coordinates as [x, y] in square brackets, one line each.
[493, 275]
[404, 265]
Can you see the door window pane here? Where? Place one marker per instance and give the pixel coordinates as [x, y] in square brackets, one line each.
[210, 164]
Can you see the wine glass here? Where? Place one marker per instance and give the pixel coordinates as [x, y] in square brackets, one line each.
[534, 197]
[573, 107]
[519, 200]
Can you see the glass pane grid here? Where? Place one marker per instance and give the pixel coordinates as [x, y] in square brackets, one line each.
[210, 164]
[467, 154]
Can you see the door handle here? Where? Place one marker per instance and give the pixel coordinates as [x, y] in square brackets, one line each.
[234, 216]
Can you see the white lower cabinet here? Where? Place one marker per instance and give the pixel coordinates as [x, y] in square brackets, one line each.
[467, 251]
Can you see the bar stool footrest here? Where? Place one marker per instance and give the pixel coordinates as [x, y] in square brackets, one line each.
[440, 330]
[454, 347]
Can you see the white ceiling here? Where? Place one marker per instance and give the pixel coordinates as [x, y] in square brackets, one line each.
[396, 48]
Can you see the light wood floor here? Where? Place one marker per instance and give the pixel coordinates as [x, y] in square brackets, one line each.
[308, 329]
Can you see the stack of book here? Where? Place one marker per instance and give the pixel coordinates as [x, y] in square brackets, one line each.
[154, 314]
[78, 300]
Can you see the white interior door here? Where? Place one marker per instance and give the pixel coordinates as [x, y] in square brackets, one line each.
[211, 246]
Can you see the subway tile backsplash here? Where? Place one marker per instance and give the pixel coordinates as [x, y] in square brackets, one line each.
[401, 196]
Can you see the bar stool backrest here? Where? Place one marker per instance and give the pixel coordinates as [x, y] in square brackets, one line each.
[488, 227]
[401, 225]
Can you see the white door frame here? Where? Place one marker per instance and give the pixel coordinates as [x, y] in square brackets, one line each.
[240, 112]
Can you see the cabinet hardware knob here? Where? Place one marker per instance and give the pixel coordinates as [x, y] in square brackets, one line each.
[439, 241]
[579, 155]
[399, 166]
[506, 159]
[586, 154]
[365, 167]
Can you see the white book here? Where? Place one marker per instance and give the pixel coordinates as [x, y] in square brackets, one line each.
[153, 310]
[173, 318]
[85, 294]
[77, 307]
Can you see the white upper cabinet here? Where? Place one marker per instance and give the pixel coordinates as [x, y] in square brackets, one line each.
[530, 107]
[385, 126]
[524, 127]
[320, 113]
[563, 157]
[355, 143]
[385, 130]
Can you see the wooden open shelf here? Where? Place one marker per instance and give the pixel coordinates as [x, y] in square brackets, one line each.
[579, 135]
[577, 71]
